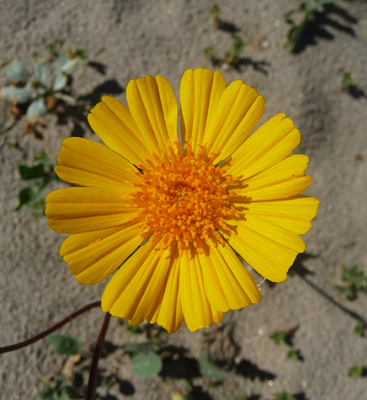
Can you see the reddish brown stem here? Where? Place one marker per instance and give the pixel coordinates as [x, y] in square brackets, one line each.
[25, 343]
[97, 352]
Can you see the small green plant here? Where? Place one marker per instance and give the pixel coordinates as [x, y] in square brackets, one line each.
[306, 13]
[209, 370]
[135, 329]
[357, 371]
[278, 337]
[62, 390]
[294, 355]
[215, 12]
[347, 80]
[57, 391]
[232, 56]
[145, 362]
[64, 345]
[34, 94]
[41, 172]
[282, 338]
[360, 329]
[210, 53]
[354, 280]
[284, 396]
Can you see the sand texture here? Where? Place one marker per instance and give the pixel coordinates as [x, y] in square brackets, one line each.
[132, 38]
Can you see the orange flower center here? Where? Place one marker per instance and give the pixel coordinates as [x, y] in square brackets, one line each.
[184, 199]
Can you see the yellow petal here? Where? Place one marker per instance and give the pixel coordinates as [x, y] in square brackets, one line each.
[277, 233]
[267, 247]
[140, 263]
[293, 213]
[284, 179]
[79, 209]
[147, 307]
[87, 163]
[170, 313]
[228, 284]
[244, 128]
[113, 123]
[94, 260]
[200, 91]
[267, 146]
[196, 308]
[79, 241]
[217, 315]
[233, 118]
[136, 291]
[153, 105]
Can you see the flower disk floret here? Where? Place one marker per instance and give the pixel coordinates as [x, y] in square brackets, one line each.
[184, 199]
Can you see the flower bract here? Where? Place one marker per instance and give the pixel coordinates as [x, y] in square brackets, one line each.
[171, 214]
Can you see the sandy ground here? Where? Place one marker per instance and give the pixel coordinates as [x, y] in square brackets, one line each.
[165, 37]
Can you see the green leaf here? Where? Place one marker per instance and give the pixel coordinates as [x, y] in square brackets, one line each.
[210, 370]
[146, 365]
[144, 347]
[64, 344]
[78, 380]
[284, 396]
[278, 337]
[82, 54]
[55, 392]
[16, 95]
[136, 328]
[40, 69]
[355, 372]
[354, 276]
[293, 355]
[360, 329]
[66, 98]
[33, 171]
[15, 70]
[36, 109]
[64, 62]
[60, 81]
[31, 196]
[51, 47]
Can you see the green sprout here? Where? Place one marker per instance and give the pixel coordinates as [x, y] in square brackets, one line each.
[347, 80]
[294, 355]
[233, 54]
[357, 371]
[215, 12]
[278, 337]
[35, 94]
[354, 280]
[58, 391]
[296, 32]
[360, 329]
[62, 390]
[210, 370]
[284, 396]
[41, 172]
[210, 53]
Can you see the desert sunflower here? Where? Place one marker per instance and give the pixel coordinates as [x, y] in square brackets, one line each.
[170, 215]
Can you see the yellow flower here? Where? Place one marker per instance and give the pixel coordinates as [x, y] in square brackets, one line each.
[171, 216]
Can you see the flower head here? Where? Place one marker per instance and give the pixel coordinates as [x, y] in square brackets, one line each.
[169, 217]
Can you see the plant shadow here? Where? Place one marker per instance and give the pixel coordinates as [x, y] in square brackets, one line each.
[319, 26]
